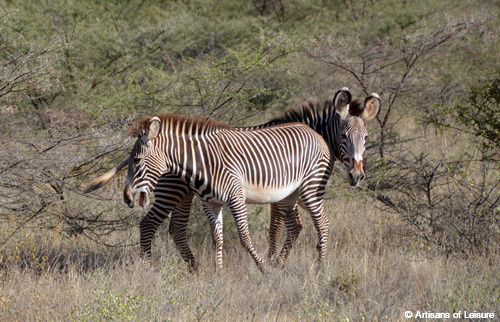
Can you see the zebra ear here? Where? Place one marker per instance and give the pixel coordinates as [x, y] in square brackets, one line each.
[341, 101]
[372, 107]
[154, 128]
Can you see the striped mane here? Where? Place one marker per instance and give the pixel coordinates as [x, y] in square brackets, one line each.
[204, 125]
[309, 110]
[312, 110]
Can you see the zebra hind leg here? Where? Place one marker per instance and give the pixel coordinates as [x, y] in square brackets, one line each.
[177, 229]
[239, 210]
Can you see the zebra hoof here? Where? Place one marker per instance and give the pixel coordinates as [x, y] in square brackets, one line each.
[193, 267]
[280, 263]
[146, 262]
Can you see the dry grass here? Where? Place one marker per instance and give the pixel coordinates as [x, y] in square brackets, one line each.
[370, 273]
[377, 267]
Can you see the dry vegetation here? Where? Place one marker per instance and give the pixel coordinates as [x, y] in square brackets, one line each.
[372, 272]
[422, 233]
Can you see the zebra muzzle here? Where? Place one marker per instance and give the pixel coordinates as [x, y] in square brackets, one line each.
[128, 197]
[357, 173]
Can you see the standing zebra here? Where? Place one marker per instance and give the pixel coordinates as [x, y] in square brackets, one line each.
[223, 166]
[341, 125]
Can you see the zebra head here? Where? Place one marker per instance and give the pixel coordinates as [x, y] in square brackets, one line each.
[352, 132]
[146, 163]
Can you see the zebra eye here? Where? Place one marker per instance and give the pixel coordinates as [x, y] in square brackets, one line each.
[137, 160]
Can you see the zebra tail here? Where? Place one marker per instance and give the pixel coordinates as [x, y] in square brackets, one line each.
[101, 180]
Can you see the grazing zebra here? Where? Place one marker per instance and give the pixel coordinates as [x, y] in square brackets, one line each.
[223, 166]
[340, 124]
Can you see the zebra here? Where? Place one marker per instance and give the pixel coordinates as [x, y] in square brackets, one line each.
[341, 125]
[227, 167]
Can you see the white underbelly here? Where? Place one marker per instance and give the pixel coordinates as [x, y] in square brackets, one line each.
[258, 194]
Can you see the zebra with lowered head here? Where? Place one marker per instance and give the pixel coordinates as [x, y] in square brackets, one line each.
[227, 167]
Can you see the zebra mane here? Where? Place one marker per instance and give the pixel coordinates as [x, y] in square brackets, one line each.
[312, 110]
[139, 127]
[309, 110]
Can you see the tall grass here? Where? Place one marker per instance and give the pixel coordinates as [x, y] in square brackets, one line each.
[370, 273]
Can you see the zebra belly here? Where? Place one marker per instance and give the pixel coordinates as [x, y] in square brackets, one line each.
[257, 194]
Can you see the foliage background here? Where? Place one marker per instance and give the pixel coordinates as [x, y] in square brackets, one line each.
[421, 234]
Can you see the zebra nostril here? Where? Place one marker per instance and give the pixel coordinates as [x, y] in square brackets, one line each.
[351, 177]
[362, 177]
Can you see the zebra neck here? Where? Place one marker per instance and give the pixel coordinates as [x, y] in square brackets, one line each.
[330, 131]
[187, 155]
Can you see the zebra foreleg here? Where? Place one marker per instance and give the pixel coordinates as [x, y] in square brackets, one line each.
[311, 199]
[172, 194]
[322, 224]
[148, 227]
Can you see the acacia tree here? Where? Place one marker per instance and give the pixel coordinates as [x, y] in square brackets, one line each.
[28, 69]
[392, 67]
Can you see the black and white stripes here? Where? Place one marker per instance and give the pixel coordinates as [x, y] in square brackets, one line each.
[330, 120]
[339, 121]
[224, 166]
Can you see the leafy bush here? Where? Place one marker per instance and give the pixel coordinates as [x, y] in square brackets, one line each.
[477, 114]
